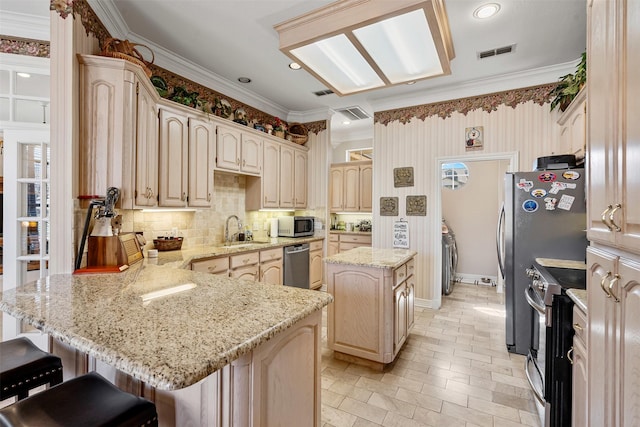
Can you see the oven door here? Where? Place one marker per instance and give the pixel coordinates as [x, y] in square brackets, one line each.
[535, 362]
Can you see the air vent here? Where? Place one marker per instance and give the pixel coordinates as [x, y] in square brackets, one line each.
[496, 51]
[353, 113]
[323, 92]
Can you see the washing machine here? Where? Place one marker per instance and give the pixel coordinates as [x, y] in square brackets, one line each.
[449, 258]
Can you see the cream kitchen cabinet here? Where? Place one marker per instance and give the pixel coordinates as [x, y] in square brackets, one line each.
[613, 132]
[284, 178]
[219, 265]
[186, 159]
[372, 312]
[271, 268]
[613, 286]
[344, 241]
[572, 124]
[579, 397]
[238, 151]
[315, 264]
[334, 244]
[350, 187]
[245, 266]
[118, 130]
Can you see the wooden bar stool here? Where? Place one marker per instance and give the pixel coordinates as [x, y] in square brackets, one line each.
[85, 401]
[23, 366]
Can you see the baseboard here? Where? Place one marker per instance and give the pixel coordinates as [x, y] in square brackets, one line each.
[476, 279]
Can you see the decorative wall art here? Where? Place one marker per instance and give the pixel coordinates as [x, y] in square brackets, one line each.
[388, 206]
[474, 138]
[416, 205]
[403, 177]
[401, 234]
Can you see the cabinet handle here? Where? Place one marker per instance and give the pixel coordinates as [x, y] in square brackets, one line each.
[606, 291]
[577, 327]
[238, 161]
[244, 162]
[615, 226]
[611, 284]
[603, 218]
[569, 355]
[184, 196]
[209, 197]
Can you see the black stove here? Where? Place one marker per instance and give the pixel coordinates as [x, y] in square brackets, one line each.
[552, 338]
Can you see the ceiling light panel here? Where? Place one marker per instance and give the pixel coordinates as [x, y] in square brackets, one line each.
[357, 45]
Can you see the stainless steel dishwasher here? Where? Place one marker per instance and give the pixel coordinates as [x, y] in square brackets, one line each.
[296, 265]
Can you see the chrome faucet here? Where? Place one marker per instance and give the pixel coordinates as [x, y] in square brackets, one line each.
[227, 238]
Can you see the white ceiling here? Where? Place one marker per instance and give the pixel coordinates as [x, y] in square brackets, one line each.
[214, 42]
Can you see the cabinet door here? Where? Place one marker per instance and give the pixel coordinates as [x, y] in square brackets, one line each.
[271, 272]
[411, 292]
[300, 179]
[228, 148]
[212, 266]
[336, 189]
[146, 190]
[201, 159]
[271, 175]
[351, 188]
[628, 292]
[366, 191]
[602, 329]
[251, 154]
[399, 316]
[287, 162]
[174, 159]
[579, 409]
[333, 245]
[249, 272]
[315, 269]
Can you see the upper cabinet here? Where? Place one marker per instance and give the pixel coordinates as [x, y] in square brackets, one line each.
[613, 102]
[118, 130]
[238, 151]
[572, 125]
[350, 187]
[283, 183]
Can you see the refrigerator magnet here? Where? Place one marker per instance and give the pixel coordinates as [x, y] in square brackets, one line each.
[566, 201]
[547, 177]
[550, 203]
[573, 175]
[525, 185]
[530, 205]
[539, 193]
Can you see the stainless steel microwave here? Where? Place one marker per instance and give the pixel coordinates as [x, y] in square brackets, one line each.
[295, 226]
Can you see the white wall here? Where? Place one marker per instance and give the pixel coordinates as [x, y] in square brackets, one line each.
[529, 129]
[340, 150]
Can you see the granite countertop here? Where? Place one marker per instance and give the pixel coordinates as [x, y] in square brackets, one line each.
[169, 342]
[183, 258]
[372, 257]
[579, 297]
[561, 263]
[364, 233]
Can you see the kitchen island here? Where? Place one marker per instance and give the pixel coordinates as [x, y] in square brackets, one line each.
[372, 313]
[208, 350]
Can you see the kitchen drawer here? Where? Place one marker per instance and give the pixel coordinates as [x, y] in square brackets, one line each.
[270, 254]
[244, 259]
[399, 274]
[411, 267]
[580, 324]
[315, 246]
[212, 266]
[348, 246]
[355, 238]
[333, 237]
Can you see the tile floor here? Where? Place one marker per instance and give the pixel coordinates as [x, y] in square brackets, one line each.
[454, 370]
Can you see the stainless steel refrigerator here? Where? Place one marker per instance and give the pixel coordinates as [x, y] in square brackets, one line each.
[543, 216]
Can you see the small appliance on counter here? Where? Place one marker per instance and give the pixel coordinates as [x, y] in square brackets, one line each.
[365, 226]
[296, 226]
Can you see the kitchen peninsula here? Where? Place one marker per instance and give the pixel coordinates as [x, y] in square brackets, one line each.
[372, 313]
[212, 349]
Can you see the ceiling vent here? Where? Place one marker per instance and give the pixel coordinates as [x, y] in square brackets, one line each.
[496, 51]
[353, 113]
[323, 92]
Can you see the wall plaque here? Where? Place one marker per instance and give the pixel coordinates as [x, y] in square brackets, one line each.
[416, 205]
[388, 206]
[403, 177]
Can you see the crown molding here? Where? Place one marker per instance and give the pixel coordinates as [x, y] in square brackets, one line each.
[25, 26]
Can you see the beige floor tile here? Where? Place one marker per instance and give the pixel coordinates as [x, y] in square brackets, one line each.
[492, 408]
[466, 414]
[420, 400]
[336, 417]
[363, 410]
[391, 404]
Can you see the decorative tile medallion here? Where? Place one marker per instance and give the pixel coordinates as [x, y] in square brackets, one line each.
[388, 206]
[416, 205]
[403, 177]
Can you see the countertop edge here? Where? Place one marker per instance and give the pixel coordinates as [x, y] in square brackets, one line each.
[579, 297]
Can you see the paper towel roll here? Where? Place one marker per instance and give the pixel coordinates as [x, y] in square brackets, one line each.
[274, 227]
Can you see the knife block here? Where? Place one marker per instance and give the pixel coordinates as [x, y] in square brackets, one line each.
[123, 249]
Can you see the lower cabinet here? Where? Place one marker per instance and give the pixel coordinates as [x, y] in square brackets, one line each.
[244, 266]
[344, 241]
[579, 409]
[315, 265]
[212, 266]
[271, 268]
